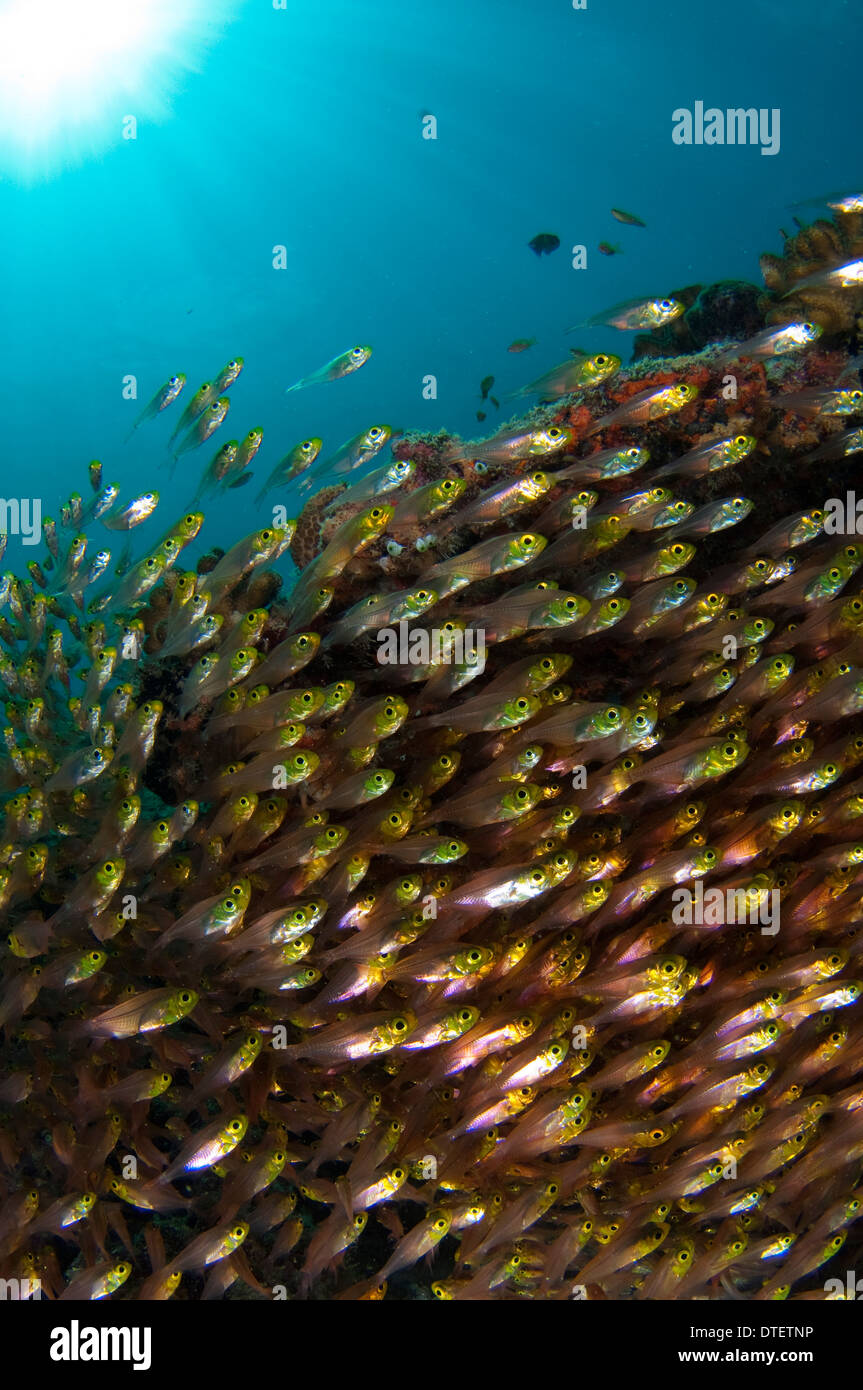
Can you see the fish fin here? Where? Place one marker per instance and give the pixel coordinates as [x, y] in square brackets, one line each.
[155, 1247]
[345, 1191]
[117, 1222]
[391, 1221]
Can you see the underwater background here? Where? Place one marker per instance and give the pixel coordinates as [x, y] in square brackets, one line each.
[301, 127]
[377, 985]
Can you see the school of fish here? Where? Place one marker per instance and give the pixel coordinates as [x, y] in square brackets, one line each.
[482, 918]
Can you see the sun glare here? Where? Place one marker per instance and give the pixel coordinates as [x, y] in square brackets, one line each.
[72, 70]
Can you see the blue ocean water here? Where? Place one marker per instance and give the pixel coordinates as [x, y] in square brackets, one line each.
[301, 127]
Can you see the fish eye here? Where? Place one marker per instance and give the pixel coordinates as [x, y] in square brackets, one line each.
[399, 1025]
[600, 359]
[376, 513]
[185, 997]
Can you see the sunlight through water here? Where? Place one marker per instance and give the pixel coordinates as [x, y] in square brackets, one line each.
[75, 76]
